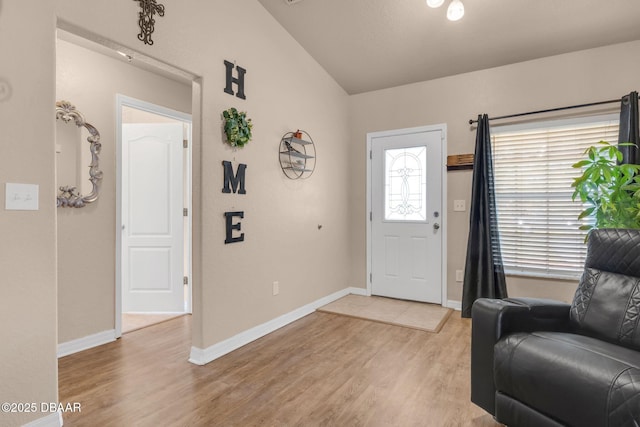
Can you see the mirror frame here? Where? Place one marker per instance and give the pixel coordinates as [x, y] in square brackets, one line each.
[69, 195]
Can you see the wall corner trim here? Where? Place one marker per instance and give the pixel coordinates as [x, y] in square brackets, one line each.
[84, 343]
[52, 420]
[456, 305]
[203, 356]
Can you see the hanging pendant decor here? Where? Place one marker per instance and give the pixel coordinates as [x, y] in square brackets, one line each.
[145, 19]
[237, 127]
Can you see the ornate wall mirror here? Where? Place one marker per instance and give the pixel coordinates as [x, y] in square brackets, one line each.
[73, 157]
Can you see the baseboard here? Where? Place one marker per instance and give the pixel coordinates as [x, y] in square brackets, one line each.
[176, 313]
[456, 305]
[84, 343]
[52, 420]
[203, 356]
[358, 291]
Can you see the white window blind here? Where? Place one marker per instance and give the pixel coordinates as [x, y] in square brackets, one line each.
[537, 220]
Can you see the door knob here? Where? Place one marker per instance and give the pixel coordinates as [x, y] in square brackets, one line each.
[436, 226]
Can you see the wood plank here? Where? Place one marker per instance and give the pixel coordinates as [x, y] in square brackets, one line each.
[323, 369]
[460, 162]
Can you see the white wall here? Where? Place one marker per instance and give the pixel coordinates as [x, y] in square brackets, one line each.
[575, 78]
[28, 246]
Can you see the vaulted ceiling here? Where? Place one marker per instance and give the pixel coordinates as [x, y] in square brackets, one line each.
[375, 44]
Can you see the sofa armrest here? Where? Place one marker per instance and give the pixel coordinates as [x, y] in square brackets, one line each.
[492, 319]
[541, 315]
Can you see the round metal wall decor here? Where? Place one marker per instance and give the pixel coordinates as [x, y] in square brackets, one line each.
[297, 155]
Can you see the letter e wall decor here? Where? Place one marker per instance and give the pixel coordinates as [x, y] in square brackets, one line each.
[231, 226]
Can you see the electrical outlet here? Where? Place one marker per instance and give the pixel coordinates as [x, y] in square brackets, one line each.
[276, 288]
[459, 205]
[459, 276]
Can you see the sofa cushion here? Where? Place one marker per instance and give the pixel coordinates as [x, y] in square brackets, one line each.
[607, 306]
[574, 379]
[614, 249]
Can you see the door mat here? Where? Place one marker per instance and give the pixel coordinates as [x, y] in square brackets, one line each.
[409, 314]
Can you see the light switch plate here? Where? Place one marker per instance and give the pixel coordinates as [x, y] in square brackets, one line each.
[21, 197]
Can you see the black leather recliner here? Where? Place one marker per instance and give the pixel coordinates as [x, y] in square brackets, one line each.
[541, 363]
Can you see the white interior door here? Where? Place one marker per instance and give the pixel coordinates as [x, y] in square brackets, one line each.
[152, 218]
[406, 214]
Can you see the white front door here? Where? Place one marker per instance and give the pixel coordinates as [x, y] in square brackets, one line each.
[406, 213]
[152, 218]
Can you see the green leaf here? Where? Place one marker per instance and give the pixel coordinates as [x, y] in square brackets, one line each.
[581, 163]
[587, 212]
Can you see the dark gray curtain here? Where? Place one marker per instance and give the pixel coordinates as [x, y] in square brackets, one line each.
[484, 272]
[629, 129]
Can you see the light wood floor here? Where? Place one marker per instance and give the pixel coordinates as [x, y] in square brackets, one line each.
[322, 370]
[134, 321]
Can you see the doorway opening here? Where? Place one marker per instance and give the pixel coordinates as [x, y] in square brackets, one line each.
[406, 204]
[91, 72]
[154, 221]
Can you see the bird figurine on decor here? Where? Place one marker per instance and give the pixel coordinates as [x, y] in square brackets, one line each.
[289, 147]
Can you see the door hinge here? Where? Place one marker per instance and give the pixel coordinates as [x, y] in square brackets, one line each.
[185, 143]
[370, 277]
[371, 154]
[370, 216]
[185, 280]
[185, 212]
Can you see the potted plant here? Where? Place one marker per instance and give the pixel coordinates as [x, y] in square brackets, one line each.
[610, 191]
[237, 127]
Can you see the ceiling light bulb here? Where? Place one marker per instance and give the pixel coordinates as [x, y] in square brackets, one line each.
[434, 3]
[455, 10]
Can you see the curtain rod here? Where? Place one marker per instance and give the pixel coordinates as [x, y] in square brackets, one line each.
[611, 101]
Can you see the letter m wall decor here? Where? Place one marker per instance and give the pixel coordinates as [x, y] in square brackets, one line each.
[233, 181]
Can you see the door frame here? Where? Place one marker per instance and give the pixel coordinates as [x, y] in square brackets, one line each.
[443, 174]
[122, 101]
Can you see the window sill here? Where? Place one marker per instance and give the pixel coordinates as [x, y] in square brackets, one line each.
[542, 276]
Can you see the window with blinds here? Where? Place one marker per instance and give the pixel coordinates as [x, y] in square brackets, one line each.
[537, 220]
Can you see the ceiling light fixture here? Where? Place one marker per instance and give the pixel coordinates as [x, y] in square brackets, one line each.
[455, 11]
[435, 3]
